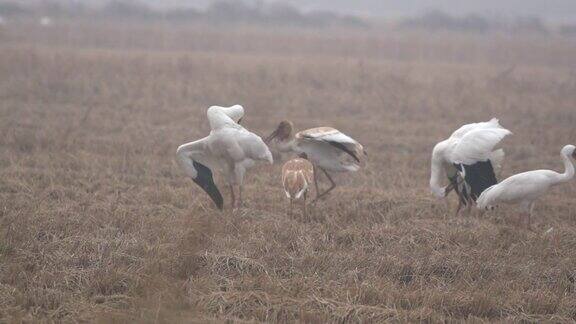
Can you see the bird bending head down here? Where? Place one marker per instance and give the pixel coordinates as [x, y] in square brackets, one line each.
[525, 188]
[282, 132]
[469, 160]
[436, 188]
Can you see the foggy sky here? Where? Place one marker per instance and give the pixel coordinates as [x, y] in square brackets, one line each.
[551, 10]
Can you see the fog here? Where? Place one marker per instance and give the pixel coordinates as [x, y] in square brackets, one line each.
[553, 10]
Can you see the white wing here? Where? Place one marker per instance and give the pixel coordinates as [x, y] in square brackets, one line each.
[497, 159]
[196, 160]
[221, 116]
[253, 146]
[477, 145]
[195, 151]
[460, 132]
[335, 138]
[327, 156]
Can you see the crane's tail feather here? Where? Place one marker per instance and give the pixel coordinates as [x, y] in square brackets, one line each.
[205, 181]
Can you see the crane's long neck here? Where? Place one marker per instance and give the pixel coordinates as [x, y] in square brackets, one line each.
[437, 171]
[286, 145]
[568, 170]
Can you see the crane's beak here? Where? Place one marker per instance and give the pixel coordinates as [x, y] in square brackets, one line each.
[448, 189]
[271, 136]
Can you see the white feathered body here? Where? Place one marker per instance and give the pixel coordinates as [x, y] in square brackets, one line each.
[527, 186]
[235, 147]
[229, 147]
[319, 146]
[469, 144]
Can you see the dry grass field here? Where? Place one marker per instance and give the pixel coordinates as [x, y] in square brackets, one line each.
[98, 223]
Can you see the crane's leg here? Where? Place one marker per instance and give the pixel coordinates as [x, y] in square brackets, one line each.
[304, 206]
[238, 174]
[332, 185]
[458, 208]
[448, 189]
[460, 195]
[525, 205]
[315, 169]
[461, 203]
[469, 206]
[232, 197]
[240, 201]
[530, 211]
[291, 206]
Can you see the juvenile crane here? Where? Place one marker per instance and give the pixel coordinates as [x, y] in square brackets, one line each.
[327, 149]
[297, 177]
[525, 188]
[468, 160]
[229, 148]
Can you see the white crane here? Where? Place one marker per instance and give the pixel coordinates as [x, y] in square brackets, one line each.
[326, 148]
[229, 148]
[468, 160]
[525, 188]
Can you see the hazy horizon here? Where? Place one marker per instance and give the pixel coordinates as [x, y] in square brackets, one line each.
[552, 10]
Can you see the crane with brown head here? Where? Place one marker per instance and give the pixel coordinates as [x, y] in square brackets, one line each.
[327, 149]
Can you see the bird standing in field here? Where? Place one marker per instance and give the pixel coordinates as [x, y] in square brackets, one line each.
[326, 148]
[525, 188]
[468, 160]
[297, 177]
[229, 148]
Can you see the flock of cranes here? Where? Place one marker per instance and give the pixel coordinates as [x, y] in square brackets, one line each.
[467, 161]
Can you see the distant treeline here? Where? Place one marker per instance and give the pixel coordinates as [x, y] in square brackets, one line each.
[437, 20]
[220, 12]
[276, 13]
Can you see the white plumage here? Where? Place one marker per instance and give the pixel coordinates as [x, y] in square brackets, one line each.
[468, 159]
[476, 145]
[326, 148]
[229, 148]
[525, 188]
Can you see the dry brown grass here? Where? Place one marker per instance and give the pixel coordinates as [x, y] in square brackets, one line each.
[98, 223]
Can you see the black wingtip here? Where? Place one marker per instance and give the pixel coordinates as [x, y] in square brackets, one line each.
[205, 181]
[345, 149]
